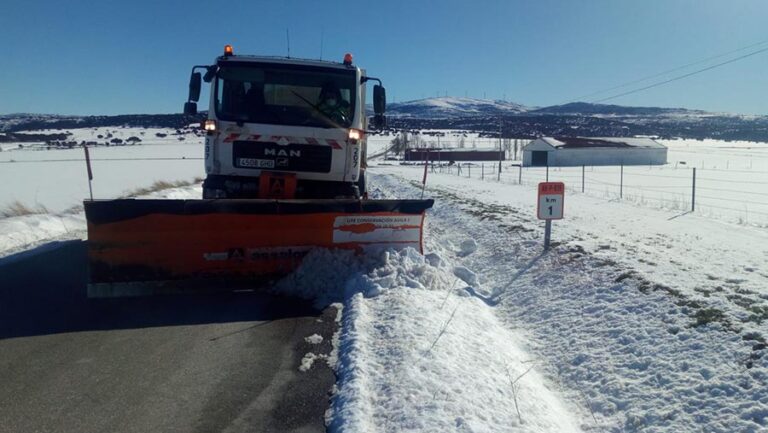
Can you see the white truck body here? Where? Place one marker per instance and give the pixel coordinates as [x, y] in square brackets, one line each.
[286, 133]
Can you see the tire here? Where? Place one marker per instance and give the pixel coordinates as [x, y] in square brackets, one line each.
[362, 186]
[208, 194]
[213, 188]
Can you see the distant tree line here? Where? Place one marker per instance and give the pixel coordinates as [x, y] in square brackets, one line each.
[173, 121]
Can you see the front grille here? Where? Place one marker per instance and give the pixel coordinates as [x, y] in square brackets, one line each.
[274, 157]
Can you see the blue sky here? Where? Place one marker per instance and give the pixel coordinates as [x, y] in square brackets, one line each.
[114, 57]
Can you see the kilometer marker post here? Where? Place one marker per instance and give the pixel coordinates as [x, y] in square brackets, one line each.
[550, 206]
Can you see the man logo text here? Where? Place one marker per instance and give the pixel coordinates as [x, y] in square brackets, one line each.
[282, 152]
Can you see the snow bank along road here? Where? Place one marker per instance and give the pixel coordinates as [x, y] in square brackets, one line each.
[192, 363]
[642, 322]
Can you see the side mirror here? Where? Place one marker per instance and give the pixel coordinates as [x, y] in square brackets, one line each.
[190, 108]
[378, 122]
[379, 100]
[195, 81]
[210, 72]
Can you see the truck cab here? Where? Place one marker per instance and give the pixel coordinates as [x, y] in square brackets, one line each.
[285, 128]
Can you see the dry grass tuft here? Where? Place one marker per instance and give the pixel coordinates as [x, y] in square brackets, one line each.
[160, 185]
[17, 208]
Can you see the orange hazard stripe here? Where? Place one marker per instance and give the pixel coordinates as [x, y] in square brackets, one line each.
[335, 144]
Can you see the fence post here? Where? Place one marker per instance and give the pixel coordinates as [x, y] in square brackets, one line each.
[582, 178]
[693, 191]
[520, 174]
[621, 182]
[90, 172]
[547, 172]
[469, 170]
[482, 171]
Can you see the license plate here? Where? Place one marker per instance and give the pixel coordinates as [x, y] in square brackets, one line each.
[256, 163]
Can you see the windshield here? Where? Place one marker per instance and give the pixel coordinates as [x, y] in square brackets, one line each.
[286, 95]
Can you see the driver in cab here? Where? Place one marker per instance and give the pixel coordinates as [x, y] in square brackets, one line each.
[333, 106]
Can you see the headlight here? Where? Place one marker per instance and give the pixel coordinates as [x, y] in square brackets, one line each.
[356, 134]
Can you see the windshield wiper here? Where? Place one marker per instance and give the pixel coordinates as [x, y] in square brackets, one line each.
[328, 120]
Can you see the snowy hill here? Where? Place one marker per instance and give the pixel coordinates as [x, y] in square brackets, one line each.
[585, 108]
[578, 118]
[452, 107]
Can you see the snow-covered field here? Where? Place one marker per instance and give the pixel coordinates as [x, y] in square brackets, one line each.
[58, 180]
[639, 319]
[731, 178]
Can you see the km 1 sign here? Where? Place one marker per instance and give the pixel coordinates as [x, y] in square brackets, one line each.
[551, 200]
[550, 206]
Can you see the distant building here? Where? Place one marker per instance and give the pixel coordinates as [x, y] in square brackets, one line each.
[577, 151]
[447, 155]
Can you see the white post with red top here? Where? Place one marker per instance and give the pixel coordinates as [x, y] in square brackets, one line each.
[550, 206]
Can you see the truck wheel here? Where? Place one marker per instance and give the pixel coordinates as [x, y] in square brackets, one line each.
[211, 193]
[356, 192]
[362, 187]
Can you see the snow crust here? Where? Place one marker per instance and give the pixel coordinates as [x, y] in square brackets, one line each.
[417, 352]
[625, 312]
[314, 339]
[27, 231]
[23, 232]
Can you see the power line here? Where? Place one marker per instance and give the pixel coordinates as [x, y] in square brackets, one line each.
[680, 77]
[675, 69]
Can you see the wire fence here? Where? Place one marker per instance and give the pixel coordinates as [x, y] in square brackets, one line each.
[739, 195]
[32, 161]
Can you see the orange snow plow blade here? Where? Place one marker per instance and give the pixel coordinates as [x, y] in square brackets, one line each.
[138, 247]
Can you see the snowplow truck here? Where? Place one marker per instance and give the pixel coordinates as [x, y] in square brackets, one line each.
[285, 159]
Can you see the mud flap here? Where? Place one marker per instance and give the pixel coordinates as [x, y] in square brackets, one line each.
[138, 247]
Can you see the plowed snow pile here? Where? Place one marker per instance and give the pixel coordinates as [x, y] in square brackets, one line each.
[418, 353]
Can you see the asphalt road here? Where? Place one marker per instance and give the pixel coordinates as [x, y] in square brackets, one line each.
[181, 363]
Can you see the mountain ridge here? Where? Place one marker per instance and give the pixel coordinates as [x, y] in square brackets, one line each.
[485, 116]
[453, 107]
